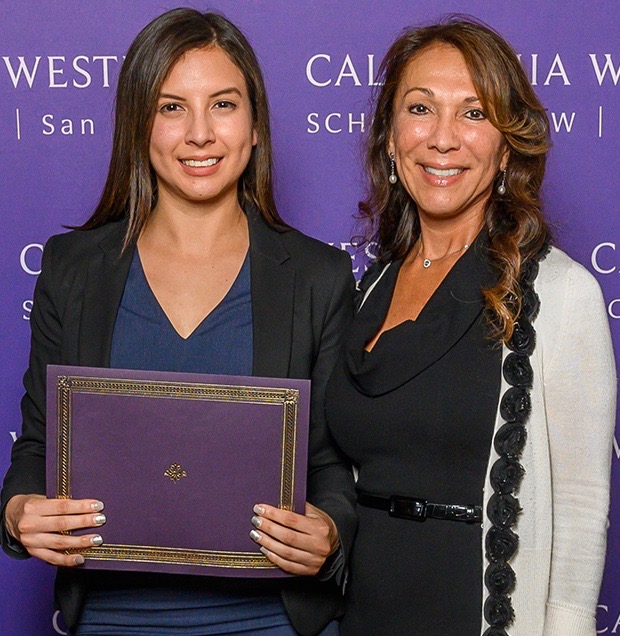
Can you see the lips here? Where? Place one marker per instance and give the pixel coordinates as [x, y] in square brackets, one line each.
[200, 163]
[445, 172]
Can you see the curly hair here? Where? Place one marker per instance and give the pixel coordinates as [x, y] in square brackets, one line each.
[517, 230]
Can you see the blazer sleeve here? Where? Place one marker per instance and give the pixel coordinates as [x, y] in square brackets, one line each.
[580, 397]
[26, 473]
[330, 480]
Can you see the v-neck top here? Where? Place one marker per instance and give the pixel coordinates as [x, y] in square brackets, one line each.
[416, 416]
[139, 602]
[145, 339]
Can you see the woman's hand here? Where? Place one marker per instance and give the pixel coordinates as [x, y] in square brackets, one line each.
[299, 544]
[36, 523]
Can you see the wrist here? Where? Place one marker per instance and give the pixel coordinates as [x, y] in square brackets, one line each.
[333, 537]
[13, 512]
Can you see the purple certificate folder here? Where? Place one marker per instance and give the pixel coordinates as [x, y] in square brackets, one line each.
[179, 460]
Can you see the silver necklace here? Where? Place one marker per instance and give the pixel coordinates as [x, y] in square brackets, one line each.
[427, 262]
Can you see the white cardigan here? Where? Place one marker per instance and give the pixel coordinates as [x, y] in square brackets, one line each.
[565, 491]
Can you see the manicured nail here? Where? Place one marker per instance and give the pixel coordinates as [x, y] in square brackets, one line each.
[79, 559]
[97, 540]
[254, 535]
[264, 550]
[99, 520]
[256, 521]
[259, 510]
[97, 506]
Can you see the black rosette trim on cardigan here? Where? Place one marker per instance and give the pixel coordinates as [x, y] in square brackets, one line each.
[500, 578]
[501, 542]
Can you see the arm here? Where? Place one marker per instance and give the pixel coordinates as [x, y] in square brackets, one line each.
[26, 473]
[330, 479]
[580, 395]
[331, 519]
[29, 523]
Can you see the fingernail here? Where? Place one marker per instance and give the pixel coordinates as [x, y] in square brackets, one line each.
[256, 521]
[97, 540]
[264, 550]
[254, 535]
[259, 510]
[79, 559]
[97, 506]
[99, 520]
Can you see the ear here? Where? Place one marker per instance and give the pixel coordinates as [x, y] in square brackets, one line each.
[254, 136]
[505, 158]
[390, 145]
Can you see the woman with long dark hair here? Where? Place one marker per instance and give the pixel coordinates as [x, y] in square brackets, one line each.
[186, 265]
[477, 391]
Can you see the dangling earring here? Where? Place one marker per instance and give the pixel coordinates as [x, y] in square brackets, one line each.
[393, 178]
[501, 188]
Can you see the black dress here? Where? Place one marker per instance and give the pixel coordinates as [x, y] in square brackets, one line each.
[416, 416]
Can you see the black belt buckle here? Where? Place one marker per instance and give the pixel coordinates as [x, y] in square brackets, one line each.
[407, 508]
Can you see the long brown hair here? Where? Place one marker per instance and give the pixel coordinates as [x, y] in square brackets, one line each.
[131, 189]
[514, 221]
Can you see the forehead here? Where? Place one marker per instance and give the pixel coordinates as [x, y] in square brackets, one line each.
[438, 67]
[207, 67]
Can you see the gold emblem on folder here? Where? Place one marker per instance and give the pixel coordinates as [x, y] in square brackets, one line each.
[175, 472]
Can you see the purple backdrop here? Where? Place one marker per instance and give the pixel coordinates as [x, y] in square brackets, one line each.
[59, 66]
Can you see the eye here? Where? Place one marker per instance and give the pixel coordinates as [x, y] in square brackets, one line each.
[170, 108]
[224, 104]
[476, 114]
[418, 109]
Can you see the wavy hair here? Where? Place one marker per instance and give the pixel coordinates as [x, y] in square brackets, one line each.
[517, 230]
[131, 187]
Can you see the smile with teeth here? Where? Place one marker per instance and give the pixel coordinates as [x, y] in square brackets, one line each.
[450, 172]
[192, 163]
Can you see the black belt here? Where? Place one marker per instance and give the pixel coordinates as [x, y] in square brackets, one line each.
[420, 509]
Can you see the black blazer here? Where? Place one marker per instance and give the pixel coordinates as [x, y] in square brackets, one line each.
[301, 306]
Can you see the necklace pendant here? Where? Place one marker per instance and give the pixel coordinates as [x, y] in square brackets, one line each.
[427, 263]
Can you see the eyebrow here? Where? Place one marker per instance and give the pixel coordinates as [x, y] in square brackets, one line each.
[224, 91]
[426, 91]
[429, 92]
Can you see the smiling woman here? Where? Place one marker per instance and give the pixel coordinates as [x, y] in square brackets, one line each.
[447, 152]
[186, 265]
[477, 390]
[203, 128]
[201, 143]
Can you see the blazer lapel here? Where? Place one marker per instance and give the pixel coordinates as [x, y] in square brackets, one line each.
[105, 283]
[273, 292]
[273, 295]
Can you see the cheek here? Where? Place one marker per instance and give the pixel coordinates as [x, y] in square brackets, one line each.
[163, 137]
[241, 134]
[408, 136]
[488, 147]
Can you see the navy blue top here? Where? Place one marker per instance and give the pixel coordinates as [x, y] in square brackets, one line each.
[145, 339]
[151, 604]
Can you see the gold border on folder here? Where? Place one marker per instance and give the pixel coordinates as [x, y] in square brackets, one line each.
[288, 398]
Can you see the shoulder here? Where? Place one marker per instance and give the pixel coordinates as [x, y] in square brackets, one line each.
[65, 255]
[571, 301]
[561, 278]
[311, 254]
[84, 242]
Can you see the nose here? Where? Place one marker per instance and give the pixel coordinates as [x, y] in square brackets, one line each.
[444, 136]
[200, 130]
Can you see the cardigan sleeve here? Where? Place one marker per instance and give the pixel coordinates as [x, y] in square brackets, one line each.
[580, 402]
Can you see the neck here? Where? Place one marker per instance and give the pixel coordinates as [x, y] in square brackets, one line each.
[190, 228]
[440, 238]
